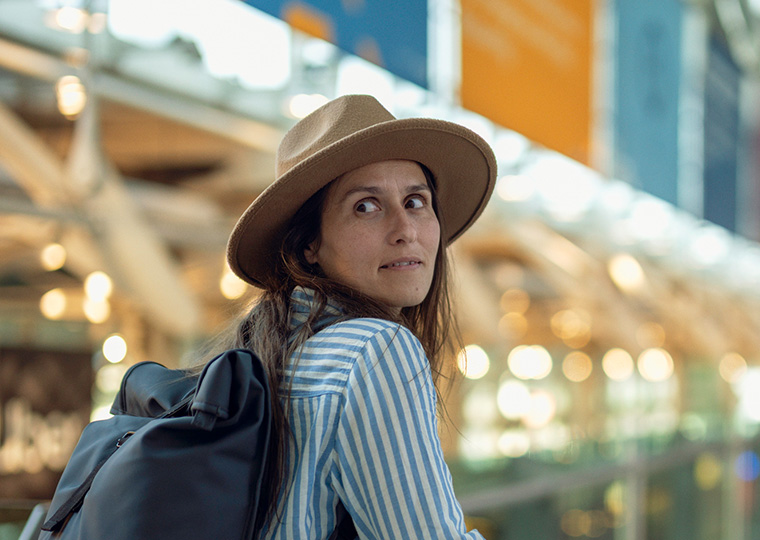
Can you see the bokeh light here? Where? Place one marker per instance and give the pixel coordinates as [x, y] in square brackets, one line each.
[732, 367]
[473, 362]
[115, 348]
[98, 286]
[617, 364]
[747, 389]
[747, 466]
[614, 499]
[568, 323]
[514, 300]
[650, 219]
[710, 245]
[575, 523]
[542, 409]
[513, 399]
[573, 326]
[71, 96]
[577, 366]
[626, 272]
[53, 257]
[70, 18]
[693, 426]
[529, 362]
[231, 286]
[655, 365]
[708, 471]
[96, 311]
[53, 304]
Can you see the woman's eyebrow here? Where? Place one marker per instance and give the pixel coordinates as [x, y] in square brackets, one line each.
[374, 190]
[418, 187]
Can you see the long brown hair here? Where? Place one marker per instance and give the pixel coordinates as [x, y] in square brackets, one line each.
[266, 330]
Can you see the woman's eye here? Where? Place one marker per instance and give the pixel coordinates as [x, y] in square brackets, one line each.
[367, 206]
[415, 202]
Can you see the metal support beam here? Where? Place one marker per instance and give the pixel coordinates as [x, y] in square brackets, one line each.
[120, 241]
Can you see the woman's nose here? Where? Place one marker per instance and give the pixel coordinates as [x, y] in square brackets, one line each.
[403, 228]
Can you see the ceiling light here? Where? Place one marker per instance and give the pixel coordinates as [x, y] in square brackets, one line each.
[71, 96]
[473, 362]
[115, 348]
[626, 272]
[53, 257]
[98, 286]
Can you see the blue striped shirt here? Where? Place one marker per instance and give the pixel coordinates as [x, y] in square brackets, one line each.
[363, 414]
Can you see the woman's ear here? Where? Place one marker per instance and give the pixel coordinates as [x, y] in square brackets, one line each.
[311, 253]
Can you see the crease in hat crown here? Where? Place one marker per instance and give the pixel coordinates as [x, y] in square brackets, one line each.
[331, 123]
[344, 134]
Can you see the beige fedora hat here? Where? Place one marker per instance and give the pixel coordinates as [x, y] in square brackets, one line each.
[345, 134]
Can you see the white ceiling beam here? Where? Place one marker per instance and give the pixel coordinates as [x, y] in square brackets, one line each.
[121, 243]
[139, 260]
[31, 62]
[31, 163]
[228, 124]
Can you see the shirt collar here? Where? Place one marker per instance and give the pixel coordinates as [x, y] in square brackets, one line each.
[302, 302]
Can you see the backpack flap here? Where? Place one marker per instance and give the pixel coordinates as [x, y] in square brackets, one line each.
[151, 389]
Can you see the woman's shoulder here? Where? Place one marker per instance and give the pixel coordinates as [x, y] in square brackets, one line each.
[377, 341]
[325, 361]
[357, 349]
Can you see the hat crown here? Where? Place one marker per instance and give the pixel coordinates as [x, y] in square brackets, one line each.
[333, 122]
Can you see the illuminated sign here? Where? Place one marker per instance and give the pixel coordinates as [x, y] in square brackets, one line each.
[721, 168]
[44, 405]
[526, 65]
[647, 95]
[389, 33]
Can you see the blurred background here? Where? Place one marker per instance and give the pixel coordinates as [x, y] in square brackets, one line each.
[609, 298]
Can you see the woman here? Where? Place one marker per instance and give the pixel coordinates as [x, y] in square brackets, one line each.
[348, 245]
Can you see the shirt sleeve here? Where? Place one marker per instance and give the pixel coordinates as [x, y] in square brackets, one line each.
[390, 471]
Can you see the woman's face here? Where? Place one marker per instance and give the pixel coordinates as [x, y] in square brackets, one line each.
[379, 233]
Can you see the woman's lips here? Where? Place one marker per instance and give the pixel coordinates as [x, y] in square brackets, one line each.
[402, 264]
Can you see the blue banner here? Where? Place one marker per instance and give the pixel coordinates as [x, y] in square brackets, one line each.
[389, 33]
[647, 81]
[721, 136]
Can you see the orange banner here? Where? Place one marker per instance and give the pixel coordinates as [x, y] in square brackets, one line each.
[526, 65]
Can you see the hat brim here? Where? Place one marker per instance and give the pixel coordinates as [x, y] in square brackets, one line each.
[462, 164]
